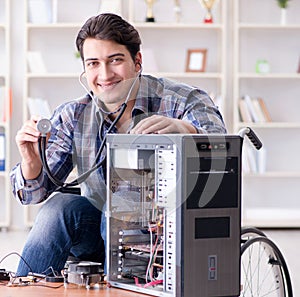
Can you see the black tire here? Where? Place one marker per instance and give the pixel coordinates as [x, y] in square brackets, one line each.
[263, 269]
[250, 232]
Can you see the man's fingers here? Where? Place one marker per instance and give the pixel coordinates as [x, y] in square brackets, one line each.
[148, 125]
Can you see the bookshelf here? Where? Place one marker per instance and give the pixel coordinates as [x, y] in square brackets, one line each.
[179, 33]
[60, 80]
[5, 106]
[270, 197]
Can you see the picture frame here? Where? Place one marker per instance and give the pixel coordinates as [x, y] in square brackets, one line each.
[196, 60]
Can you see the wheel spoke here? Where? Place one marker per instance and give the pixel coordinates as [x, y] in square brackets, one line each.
[261, 272]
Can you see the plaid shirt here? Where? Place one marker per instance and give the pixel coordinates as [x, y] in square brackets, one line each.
[76, 135]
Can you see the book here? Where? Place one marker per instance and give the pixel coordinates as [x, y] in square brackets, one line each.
[244, 112]
[35, 62]
[264, 110]
[40, 107]
[2, 152]
[7, 105]
[251, 157]
[245, 163]
[2, 103]
[251, 108]
[258, 111]
[254, 161]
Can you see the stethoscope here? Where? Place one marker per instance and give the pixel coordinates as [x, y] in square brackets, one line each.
[44, 126]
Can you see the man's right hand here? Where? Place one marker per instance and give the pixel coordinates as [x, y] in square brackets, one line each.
[27, 142]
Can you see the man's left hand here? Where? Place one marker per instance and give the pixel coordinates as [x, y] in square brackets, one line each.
[158, 124]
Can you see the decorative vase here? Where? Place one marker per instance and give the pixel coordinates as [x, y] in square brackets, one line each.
[283, 16]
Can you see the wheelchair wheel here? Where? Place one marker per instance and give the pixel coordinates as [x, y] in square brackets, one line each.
[250, 232]
[263, 269]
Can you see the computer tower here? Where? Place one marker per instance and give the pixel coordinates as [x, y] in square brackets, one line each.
[174, 214]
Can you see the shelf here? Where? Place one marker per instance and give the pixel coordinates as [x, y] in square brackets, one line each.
[271, 217]
[52, 75]
[154, 26]
[54, 26]
[271, 125]
[269, 26]
[213, 75]
[268, 75]
[273, 174]
[138, 25]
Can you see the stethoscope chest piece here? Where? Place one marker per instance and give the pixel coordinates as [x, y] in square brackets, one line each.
[44, 126]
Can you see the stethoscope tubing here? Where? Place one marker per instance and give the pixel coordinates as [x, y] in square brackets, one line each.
[81, 178]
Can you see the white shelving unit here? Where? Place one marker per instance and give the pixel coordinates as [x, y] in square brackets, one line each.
[5, 110]
[176, 37]
[271, 198]
[55, 41]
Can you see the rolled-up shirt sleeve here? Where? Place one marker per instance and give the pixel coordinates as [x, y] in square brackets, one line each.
[27, 191]
[203, 114]
[193, 106]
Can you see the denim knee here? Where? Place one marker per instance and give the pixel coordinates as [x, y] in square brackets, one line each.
[58, 209]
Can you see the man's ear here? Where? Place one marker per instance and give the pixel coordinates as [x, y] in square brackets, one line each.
[138, 62]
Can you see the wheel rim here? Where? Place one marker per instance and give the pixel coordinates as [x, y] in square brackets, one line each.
[261, 271]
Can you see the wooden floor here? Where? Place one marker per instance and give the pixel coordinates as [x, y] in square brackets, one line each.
[46, 290]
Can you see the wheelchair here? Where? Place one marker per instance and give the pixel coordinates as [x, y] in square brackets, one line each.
[264, 271]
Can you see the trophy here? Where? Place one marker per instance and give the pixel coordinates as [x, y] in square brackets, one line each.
[177, 10]
[208, 4]
[150, 18]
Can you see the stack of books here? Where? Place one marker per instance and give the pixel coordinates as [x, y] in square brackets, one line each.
[253, 110]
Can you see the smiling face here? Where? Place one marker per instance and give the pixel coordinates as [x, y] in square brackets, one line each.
[110, 70]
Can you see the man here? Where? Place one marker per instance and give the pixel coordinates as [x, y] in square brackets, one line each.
[121, 100]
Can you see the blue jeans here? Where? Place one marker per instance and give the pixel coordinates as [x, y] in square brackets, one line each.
[66, 224]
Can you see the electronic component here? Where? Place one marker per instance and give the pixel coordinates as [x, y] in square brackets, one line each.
[4, 275]
[134, 236]
[83, 273]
